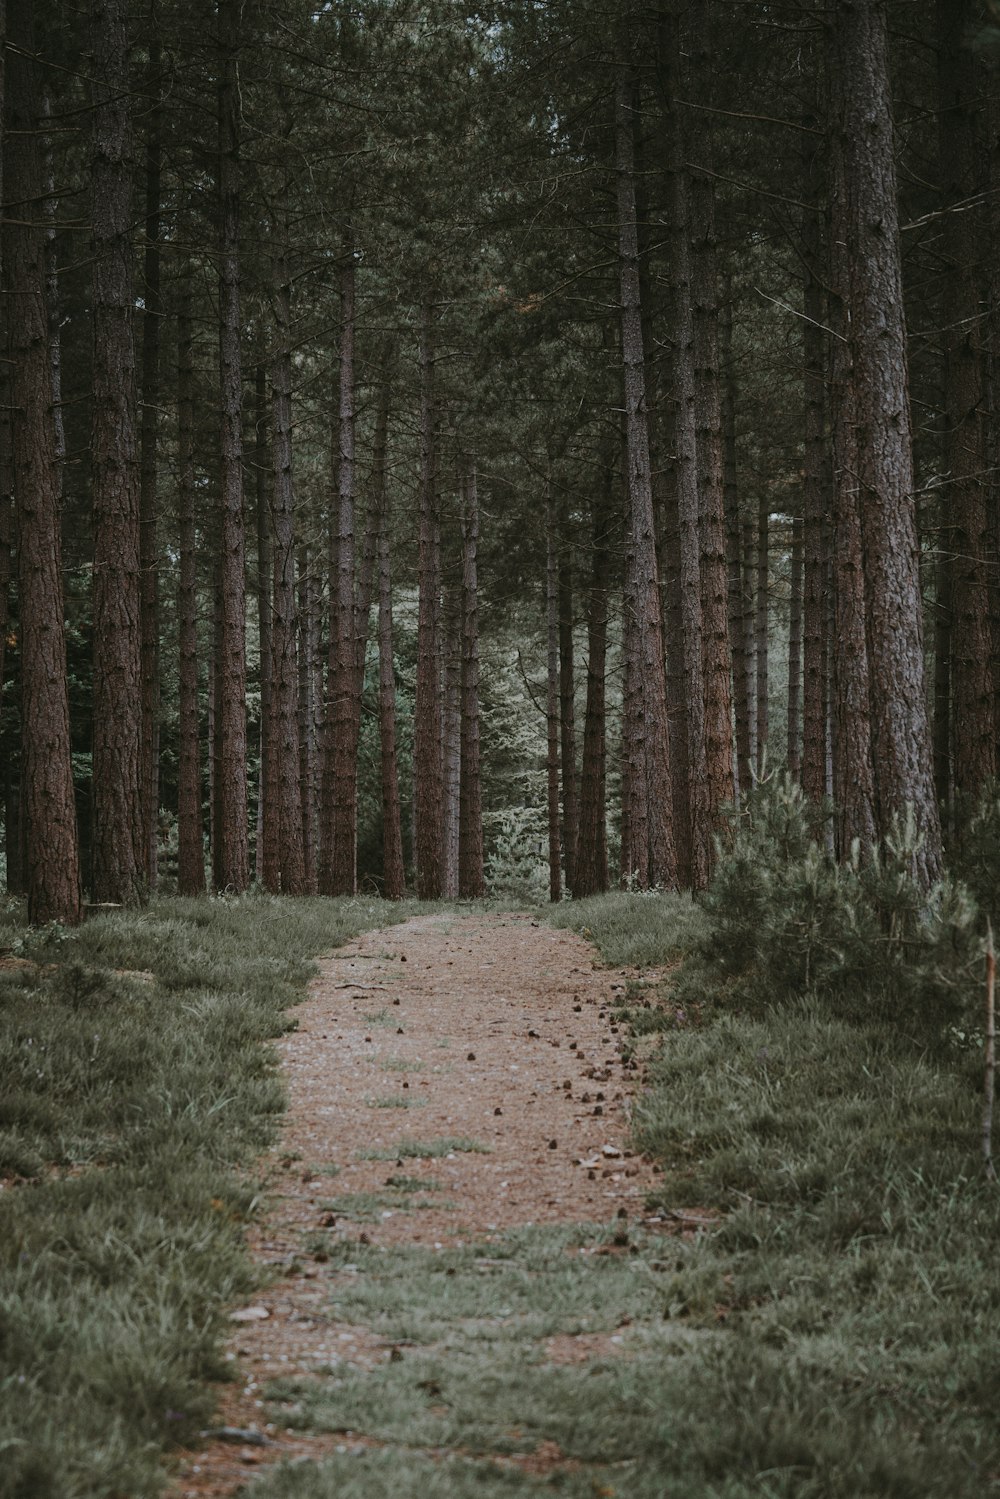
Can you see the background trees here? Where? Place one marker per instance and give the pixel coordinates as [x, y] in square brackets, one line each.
[453, 291]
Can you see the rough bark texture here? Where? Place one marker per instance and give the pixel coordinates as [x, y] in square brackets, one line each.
[232, 867]
[149, 561]
[814, 501]
[737, 636]
[901, 733]
[761, 652]
[716, 653]
[451, 736]
[567, 708]
[968, 539]
[392, 832]
[591, 870]
[427, 789]
[120, 845]
[552, 698]
[52, 873]
[656, 863]
[471, 884]
[265, 568]
[284, 858]
[794, 743]
[346, 696]
[190, 849]
[310, 686]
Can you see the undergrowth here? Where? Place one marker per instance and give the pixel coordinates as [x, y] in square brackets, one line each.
[137, 1081]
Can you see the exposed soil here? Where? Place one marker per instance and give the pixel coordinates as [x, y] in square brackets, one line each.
[493, 1030]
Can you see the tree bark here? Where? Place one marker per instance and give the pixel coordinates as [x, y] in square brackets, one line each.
[190, 848]
[591, 868]
[567, 711]
[742, 778]
[427, 787]
[52, 872]
[794, 743]
[761, 651]
[870, 230]
[471, 884]
[656, 864]
[120, 843]
[233, 867]
[552, 699]
[265, 569]
[392, 833]
[310, 674]
[814, 498]
[149, 561]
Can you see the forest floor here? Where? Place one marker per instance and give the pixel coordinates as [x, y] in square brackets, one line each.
[460, 1092]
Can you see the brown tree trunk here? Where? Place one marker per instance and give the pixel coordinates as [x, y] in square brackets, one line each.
[284, 859]
[567, 708]
[451, 737]
[310, 673]
[552, 700]
[52, 873]
[869, 227]
[190, 849]
[392, 832]
[427, 784]
[814, 498]
[750, 638]
[716, 653]
[233, 868]
[642, 592]
[345, 691]
[592, 853]
[120, 842]
[761, 646]
[794, 746]
[736, 601]
[265, 569]
[968, 541]
[148, 519]
[471, 885]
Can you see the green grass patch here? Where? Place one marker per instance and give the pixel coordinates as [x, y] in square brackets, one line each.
[421, 1150]
[640, 931]
[138, 1079]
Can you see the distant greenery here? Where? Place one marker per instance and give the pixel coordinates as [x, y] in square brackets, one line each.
[137, 1078]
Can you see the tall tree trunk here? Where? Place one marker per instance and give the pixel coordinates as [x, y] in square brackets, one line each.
[591, 868]
[642, 585]
[750, 637]
[814, 498]
[552, 699]
[120, 843]
[794, 742]
[52, 873]
[427, 784]
[868, 225]
[567, 713]
[761, 652]
[233, 868]
[716, 653]
[148, 548]
[975, 749]
[310, 673]
[736, 601]
[451, 736]
[392, 833]
[471, 884]
[345, 691]
[265, 569]
[190, 849]
[685, 444]
[284, 859]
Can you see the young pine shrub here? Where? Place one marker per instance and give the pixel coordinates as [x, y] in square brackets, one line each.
[785, 920]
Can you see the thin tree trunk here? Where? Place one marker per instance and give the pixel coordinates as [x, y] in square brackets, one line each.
[265, 568]
[567, 713]
[345, 691]
[190, 848]
[750, 639]
[868, 226]
[814, 499]
[552, 700]
[656, 864]
[451, 737]
[52, 871]
[592, 854]
[309, 663]
[794, 749]
[120, 842]
[736, 601]
[471, 885]
[233, 868]
[392, 833]
[148, 519]
[427, 782]
[761, 648]
[284, 859]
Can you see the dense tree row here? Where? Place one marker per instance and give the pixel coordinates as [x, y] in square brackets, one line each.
[676, 324]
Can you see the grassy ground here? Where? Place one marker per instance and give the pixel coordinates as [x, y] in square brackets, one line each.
[137, 1081]
[835, 1336]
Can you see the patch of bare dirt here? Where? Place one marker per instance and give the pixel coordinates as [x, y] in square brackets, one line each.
[497, 1030]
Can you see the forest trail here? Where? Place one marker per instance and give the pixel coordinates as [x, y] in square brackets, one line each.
[450, 1079]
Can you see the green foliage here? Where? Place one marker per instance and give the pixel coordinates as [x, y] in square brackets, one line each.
[138, 1085]
[783, 920]
[633, 930]
[977, 856]
[516, 864]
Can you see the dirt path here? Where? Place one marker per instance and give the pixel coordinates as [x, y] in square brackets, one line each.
[450, 1079]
